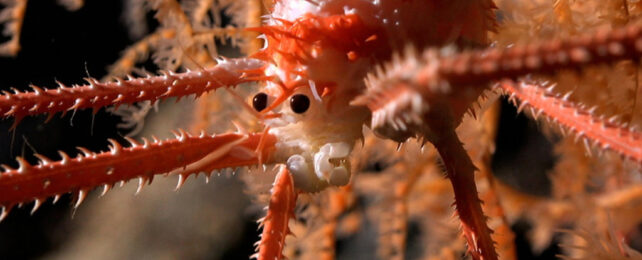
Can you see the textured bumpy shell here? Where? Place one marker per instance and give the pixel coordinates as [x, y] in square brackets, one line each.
[456, 71]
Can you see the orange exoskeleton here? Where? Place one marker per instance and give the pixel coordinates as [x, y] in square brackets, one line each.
[318, 95]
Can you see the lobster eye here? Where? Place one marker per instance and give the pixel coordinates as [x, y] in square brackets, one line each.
[259, 102]
[299, 103]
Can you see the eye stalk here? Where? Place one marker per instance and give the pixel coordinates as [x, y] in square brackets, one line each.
[259, 102]
[299, 103]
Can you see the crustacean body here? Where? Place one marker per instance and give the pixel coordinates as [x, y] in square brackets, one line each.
[318, 96]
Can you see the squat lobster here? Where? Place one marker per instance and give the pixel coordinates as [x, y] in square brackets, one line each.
[316, 57]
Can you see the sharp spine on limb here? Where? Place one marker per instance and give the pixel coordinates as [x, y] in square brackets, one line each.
[434, 77]
[97, 95]
[476, 68]
[84, 173]
[275, 223]
[582, 123]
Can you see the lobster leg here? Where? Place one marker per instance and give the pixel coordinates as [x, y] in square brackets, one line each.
[143, 161]
[460, 170]
[426, 96]
[581, 122]
[100, 94]
[275, 223]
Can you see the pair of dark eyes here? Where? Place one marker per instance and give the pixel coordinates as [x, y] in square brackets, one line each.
[299, 103]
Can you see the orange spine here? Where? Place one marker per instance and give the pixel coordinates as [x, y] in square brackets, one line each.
[460, 170]
[275, 223]
[607, 134]
[143, 161]
[100, 94]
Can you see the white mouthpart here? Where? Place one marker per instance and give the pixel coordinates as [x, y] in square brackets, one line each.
[322, 166]
[304, 178]
[322, 173]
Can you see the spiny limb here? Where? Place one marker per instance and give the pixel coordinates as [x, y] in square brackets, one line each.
[544, 57]
[275, 223]
[445, 84]
[607, 134]
[405, 107]
[445, 75]
[460, 171]
[143, 161]
[96, 94]
[401, 116]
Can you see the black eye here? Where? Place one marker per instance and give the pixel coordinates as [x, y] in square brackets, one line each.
[299, 103]
[259, 102]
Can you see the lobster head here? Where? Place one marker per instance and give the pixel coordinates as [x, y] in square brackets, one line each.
[317, 55]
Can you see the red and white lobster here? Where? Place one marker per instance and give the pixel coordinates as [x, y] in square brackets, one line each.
[317, 97]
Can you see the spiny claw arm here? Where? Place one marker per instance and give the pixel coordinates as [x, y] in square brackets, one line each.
[143, 161]
[449, 81]
[460, 170]
[443, 71]
[275, 223]
[581, 122]
[544, 57]
[100, 94]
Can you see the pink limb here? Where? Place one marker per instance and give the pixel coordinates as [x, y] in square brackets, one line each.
[100, 94]
[583, 123]
[142, 161]
[275, 223]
